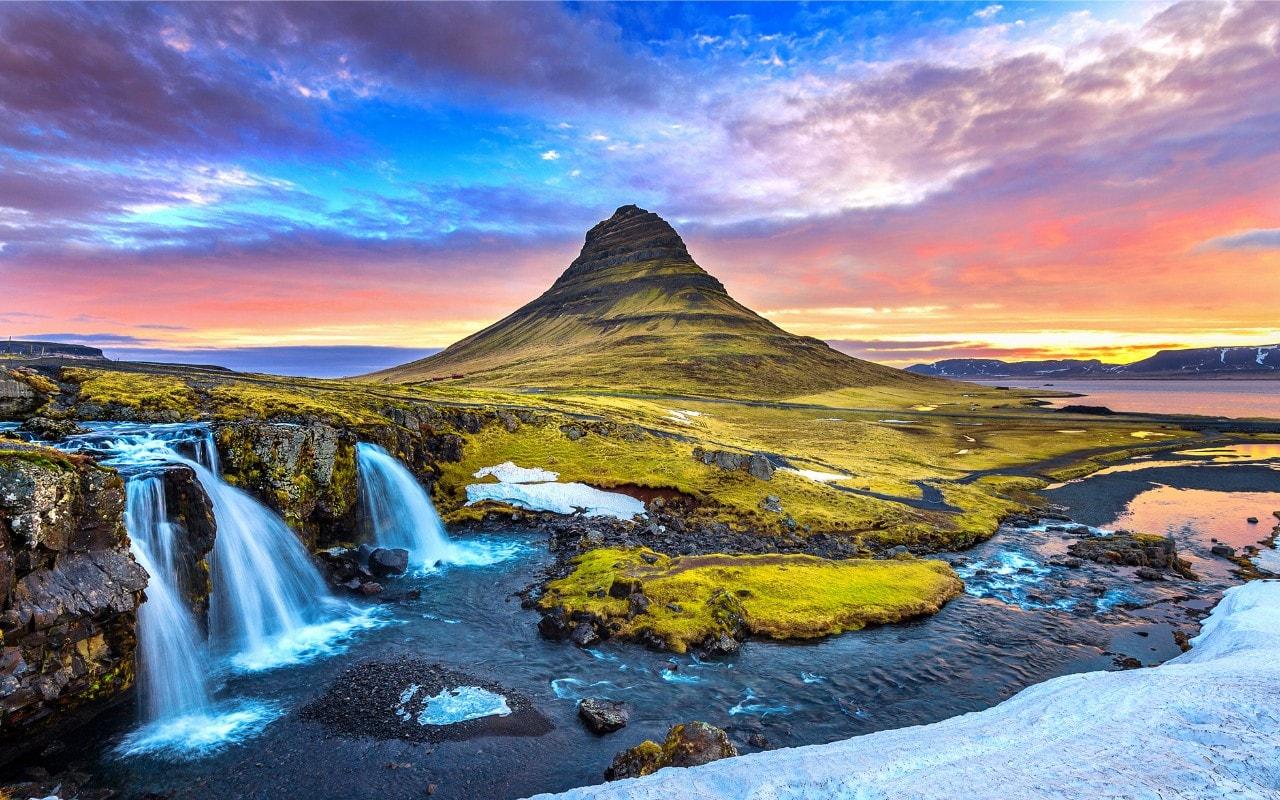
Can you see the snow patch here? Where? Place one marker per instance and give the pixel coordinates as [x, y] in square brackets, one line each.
[558, 498]
[1201, 726]
[814, 475]
[683, 415]
[509, 472]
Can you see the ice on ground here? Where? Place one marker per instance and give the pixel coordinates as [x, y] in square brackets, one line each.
[1269, 559]
[509, 472]
[683, 415]
[1149, 435]
[558, 498]
[814, 475]
[451, 706]
[1203, 726]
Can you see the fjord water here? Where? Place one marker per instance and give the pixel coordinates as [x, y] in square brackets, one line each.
[1211, 398]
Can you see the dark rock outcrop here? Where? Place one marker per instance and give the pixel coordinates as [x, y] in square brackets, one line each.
[1133, 550]
[191, 513]
[603, 716]
[689, 744]
[756, 464]
[387, 561]
[69, 591]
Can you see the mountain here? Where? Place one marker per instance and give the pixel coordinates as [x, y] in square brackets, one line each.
[995, 368]
[1249, 362]
[635, 312]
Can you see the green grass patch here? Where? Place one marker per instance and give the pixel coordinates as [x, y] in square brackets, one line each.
[776, 596]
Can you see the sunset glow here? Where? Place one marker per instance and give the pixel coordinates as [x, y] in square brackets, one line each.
[907, 182]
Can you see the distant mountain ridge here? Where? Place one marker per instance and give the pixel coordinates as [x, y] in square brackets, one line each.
[634, 312]
[34, 349]
[1262, 361]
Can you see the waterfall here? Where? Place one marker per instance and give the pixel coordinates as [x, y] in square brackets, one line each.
[171, 675]
[264, 584]
[399, 509]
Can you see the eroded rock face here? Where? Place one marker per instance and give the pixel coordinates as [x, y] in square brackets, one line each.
[306, 472]
[191, 512]
[69, 589]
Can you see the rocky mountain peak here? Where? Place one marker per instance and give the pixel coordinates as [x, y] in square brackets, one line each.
[630, 236]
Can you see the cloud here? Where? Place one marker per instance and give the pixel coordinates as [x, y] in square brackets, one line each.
[550, 155]
[1257, 239]
[989, 12]
[87, 338]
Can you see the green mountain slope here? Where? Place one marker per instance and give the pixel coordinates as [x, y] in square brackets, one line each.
[634, 312]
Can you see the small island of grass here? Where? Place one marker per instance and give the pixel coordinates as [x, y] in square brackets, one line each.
[701, 602]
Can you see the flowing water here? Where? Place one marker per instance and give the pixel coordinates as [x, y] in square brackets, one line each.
[1022, 620]
[174, 677]
[401, 514]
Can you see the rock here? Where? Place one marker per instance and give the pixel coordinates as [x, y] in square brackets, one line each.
[772, 503]
[690, 744]
[603, 716]
[554, 625]
[370, 588]
[1134, 550]
[898, 551]
[51, 430]
[573, 432]
[637, 604]
[623, 587]
[756, 464]
[1252, 520]
[1149, 574]
[384, 561]
[758, 740]
[1226, 551]
[69, 591]
[760, 467]
[584, 635]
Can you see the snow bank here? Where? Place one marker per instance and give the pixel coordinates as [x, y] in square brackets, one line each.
[1204, 725]
[509, 472]
[558, 498]
[814, 475]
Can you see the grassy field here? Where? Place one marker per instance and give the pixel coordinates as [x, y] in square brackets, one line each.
[980, 452]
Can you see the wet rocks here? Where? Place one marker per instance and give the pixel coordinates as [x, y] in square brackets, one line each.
[689, 744]
[1223, 550]
[51, 430]
[584, 634]
[1158, 553]
[346, 570]
[69, 590]
[603, 716]
[755, 464]
[384, 561]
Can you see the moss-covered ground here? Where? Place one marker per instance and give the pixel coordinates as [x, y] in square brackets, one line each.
[936, 467]
[776, 596]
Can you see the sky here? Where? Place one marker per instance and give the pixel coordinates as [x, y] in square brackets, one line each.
[910, 182]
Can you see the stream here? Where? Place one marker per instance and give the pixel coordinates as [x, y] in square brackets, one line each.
[1021, 621]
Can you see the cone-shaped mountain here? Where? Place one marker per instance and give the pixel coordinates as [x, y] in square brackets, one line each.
[634, 312]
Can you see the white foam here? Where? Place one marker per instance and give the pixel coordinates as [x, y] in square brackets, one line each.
[1204, 726]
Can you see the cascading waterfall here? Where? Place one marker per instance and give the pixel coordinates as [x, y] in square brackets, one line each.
[264, 584]
[268, 605]
[399, 509]
[172, 672]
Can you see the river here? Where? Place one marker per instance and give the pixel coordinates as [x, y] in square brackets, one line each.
[1021, 621]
